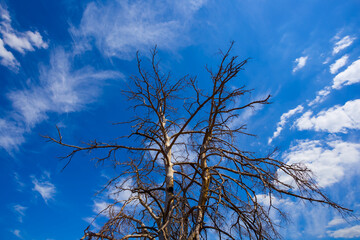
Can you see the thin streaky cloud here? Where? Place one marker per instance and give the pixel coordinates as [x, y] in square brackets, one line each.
[19, 182]
[338, 64]
[342, 44]
[45, 188]
[4, 14]
[300, 63]
[20, 211]
[16, 232]
[137, 25]
[91, 221]
[104, 208]
[320, 96]
[61, 90]
[296, 210]
[11, 135]
[283, 119]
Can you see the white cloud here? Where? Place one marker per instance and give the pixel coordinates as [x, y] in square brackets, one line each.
[329, 162]
[343, 43]
[320, 96]
[100, 206]
[4, 14]
[36, 39]
[189, 6]
[105, 208]
[335, 119]
[338, 64]
[44, 187]
[91, 221]
[60, 89]
[307, 221]
[20, 210]
[16, 232]
[327, 60]
[18, 181]
[19, 41]
[32, 104]
[300, 63]
[264, 200]
[11, 135]
[336, 221]
[350, 232]
[129, 26]
[247, 113]
[120, 195]
[7, 58]
[350, 75]
[283, 120]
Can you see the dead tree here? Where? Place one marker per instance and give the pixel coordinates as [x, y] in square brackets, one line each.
[187, 175]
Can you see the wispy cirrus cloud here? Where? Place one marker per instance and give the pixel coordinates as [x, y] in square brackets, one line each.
[44, 187]
[115, 193]
[342, 44]
[105, 208]
[119, 192]
[91, 221]
[11, 134]
[16, 40]
[129, 26]
[20, 211]
[283, 119]
[61, 89]
[311, 226]
[300, 63]
[19, 182]
[320, 96]
[16, 232]
[333, 120]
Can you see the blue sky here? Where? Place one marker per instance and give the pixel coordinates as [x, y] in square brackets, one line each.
[65, 62]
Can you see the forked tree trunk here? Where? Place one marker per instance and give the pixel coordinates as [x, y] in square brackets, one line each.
[195, 234]
[169, 185]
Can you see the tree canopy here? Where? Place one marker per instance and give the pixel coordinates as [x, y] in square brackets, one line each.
[186, 175]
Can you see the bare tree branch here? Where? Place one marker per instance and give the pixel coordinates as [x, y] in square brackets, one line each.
[189, 177]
